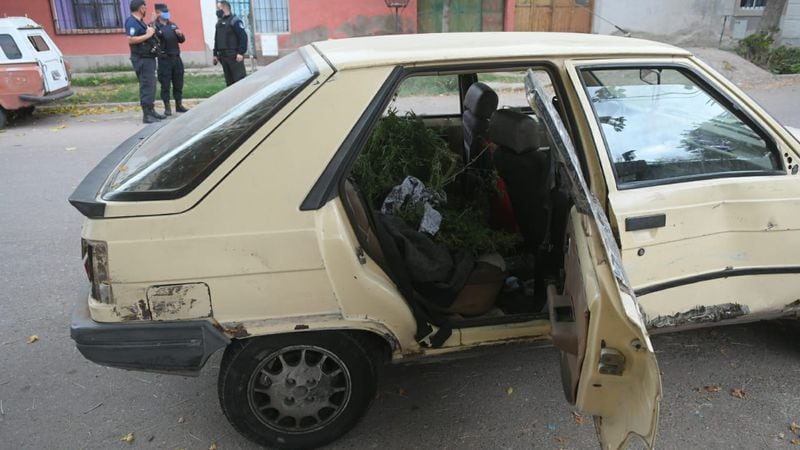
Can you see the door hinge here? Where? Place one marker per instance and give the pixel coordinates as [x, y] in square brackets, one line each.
[612, 361]
[362, 258]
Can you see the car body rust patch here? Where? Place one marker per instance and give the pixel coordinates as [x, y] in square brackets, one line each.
[700, 314]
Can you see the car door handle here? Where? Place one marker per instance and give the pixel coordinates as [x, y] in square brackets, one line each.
[645, 222]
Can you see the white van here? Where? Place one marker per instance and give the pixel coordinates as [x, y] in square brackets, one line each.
[32, 68]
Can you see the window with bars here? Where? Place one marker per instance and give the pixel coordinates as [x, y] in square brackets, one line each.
[271, 16]
[752, 4]
[90, 16]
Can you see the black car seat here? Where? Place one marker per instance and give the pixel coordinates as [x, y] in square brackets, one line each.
[522, 159]
[479, 105]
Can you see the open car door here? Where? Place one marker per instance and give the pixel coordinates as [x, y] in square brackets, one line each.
[608, 366]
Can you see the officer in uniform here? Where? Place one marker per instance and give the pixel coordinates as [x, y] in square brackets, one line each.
[230, 43]
[144, 49]
[170, 65]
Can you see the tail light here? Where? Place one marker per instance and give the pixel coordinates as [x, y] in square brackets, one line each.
[95, 263]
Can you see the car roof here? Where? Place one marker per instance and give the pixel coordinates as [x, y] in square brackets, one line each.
[410, 49]
[18, 23]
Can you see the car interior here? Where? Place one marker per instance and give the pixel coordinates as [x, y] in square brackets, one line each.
[499, 202]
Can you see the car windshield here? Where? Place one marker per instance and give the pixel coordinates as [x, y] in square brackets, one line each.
[182, 153]
[668, 127]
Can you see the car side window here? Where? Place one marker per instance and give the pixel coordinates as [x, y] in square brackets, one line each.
[9, 47]
[662, 126]
[38, 43]
[428, 95]
[510, 87]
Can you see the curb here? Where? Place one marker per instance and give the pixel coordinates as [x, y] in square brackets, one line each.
[86, 106]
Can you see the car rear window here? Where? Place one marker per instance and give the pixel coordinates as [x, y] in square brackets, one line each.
[9, 47]
[177, 157]
[38, 43]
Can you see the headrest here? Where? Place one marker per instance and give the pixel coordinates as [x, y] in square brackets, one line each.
[481, 100]
[516, 131]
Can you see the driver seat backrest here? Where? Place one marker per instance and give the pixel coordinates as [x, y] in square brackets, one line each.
[479, 105]
[522, 159]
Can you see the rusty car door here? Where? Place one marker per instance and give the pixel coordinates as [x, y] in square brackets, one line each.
[703, 191]
[608, 365]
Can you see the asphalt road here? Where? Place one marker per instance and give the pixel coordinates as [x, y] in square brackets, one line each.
[50, 397]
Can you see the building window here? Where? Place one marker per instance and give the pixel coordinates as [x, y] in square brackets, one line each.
[752, 4]
[271, 16]
[90, 16]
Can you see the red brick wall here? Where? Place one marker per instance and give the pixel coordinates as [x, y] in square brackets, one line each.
[315, 20]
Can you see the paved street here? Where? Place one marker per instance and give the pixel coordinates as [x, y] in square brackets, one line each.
[50, 397]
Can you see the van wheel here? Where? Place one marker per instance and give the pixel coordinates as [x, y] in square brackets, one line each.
[298, 390]
[3, 118]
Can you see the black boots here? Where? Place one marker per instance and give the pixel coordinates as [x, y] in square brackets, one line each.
[179, 107]
[149, 115]
[167, 110]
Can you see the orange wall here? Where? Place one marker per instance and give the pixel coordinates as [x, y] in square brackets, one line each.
[185, 14]
[314, 20]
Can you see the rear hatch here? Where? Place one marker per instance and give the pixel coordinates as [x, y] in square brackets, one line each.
[49, 57]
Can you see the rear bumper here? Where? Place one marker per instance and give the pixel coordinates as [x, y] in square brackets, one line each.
[172, 347]
[51, 97]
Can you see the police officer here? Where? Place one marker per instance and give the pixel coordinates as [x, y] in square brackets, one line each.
[170, 65]
[144, 49]
[230, 43]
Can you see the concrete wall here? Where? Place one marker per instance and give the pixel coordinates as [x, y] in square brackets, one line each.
[85, 51]
[679, 22]
[790, 24]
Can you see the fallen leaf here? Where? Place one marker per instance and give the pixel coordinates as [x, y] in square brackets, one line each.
[795, 428]
[33, 339]
[711, 388]
[58, 128]
[181, 420]
[738, 393]
[795, 441]
[71, 149]
[510, 390]
[559, 439]
[577, 417]
[128, 438]
[781, 435]
[213, 446]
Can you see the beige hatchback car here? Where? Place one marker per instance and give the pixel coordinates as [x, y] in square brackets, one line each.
[397, 198]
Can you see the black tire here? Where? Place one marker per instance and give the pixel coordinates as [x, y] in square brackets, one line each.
[280, 370]
[3, 118]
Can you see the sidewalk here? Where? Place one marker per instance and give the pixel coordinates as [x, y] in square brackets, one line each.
[742, 72]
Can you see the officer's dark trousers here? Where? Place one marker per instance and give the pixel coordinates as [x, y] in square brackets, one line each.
[145, 69]
[233, 70]
[170, 71]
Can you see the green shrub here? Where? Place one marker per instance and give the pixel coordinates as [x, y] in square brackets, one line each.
[756, 47]
[784, 60]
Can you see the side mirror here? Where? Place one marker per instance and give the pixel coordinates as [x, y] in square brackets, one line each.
[650, 76]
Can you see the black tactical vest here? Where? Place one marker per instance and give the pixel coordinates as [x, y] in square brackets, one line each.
[225, 36]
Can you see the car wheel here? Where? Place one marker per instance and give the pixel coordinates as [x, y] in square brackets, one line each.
[298, 390]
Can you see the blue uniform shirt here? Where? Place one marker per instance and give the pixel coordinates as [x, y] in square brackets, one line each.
[241, 34]
[134, 27]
